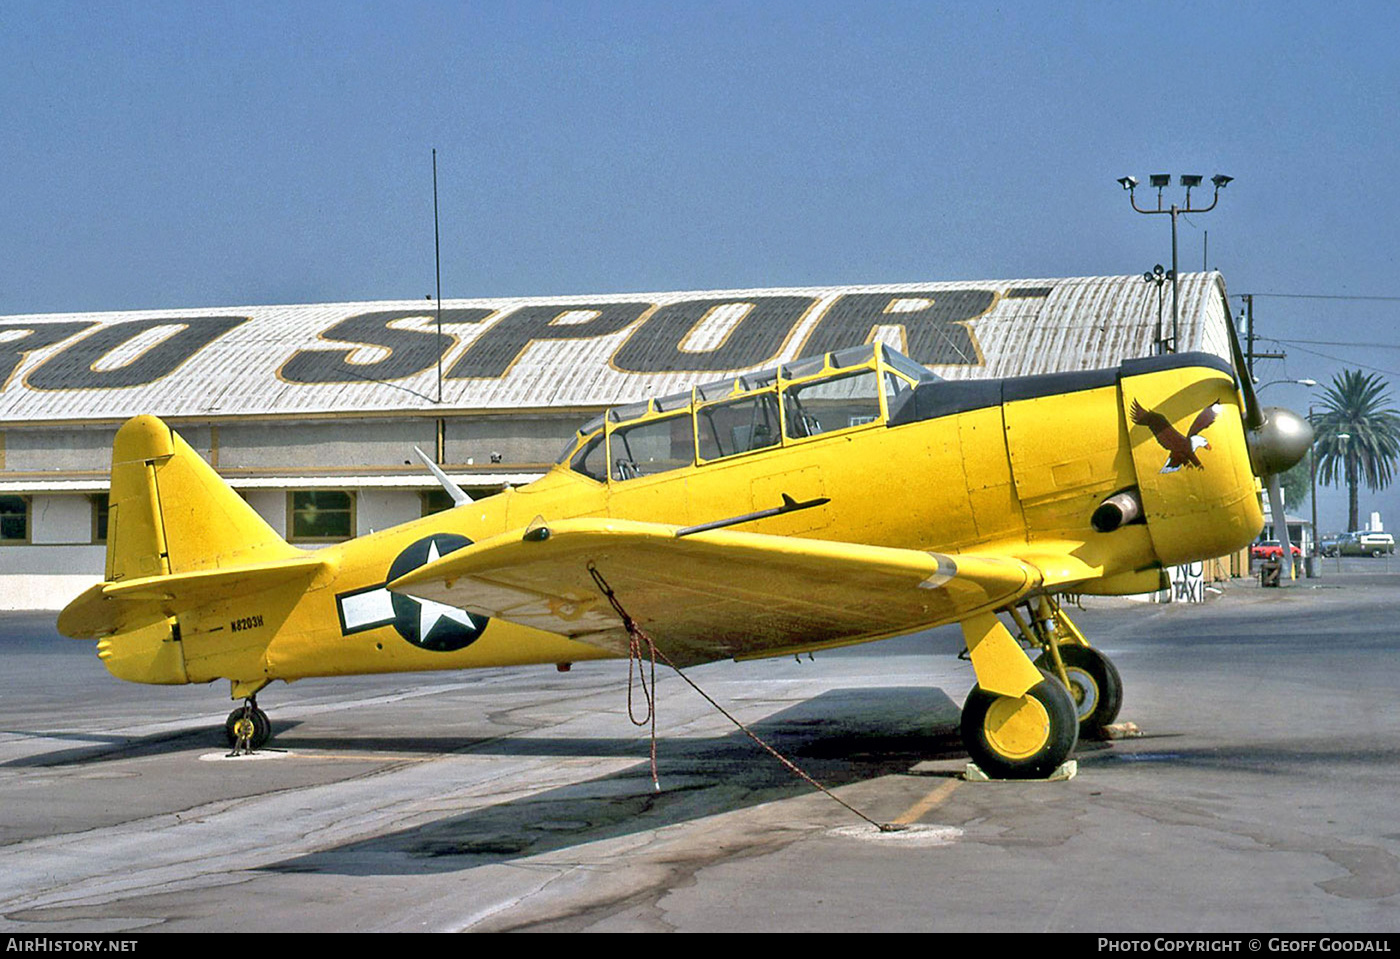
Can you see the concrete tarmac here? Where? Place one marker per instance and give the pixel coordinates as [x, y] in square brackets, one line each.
[1262, 796]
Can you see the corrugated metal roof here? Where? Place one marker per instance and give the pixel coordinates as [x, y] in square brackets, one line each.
[580, 351]
[408, 481]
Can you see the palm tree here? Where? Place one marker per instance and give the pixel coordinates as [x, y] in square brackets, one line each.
[1358, 435]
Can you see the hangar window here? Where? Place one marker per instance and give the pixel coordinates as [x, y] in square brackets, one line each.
[14, 519]
[321, 515]
[654, 446]
[435, 501]
[99, 517]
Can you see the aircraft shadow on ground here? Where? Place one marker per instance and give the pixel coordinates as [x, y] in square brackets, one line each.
[840, 737]
[99, 747]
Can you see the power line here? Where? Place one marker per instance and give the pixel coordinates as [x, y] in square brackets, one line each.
[1369, 346]
[1323, 296]
[1338, 359]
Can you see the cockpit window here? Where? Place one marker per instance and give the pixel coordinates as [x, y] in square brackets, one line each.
[811, 396]
[676, 401]
[738, 426]
[716, 390]
[654, 446]
[591, 460]
[621, 414]
[759, 380]
[808, 366]
[837, 403]
[915, 371]
[853, 355]
[896, 388]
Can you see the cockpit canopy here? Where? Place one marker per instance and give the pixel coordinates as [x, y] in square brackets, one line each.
[836, 392]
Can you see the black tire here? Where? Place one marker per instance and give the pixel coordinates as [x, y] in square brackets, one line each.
[1095, 686]
[1025, 737]
[262, 728]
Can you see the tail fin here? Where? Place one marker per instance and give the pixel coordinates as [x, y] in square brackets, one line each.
[178, 538]
[169, 512]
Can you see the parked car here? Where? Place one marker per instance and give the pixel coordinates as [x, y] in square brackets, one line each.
[1272, 549]
[1364, 543]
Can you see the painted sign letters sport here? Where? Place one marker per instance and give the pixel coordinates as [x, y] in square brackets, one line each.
[712, 333]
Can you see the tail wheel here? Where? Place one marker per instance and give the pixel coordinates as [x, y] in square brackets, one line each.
[1094, 685]
[250, 722]
[1020, 737]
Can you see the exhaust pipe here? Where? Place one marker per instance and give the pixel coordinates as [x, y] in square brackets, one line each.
[1120, 509]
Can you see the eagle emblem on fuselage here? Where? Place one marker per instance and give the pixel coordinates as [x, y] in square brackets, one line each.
[1181, 449]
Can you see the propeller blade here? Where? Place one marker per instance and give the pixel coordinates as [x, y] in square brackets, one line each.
[1277, 437]
[1253, 415]
[1280, 523]
[459, 495]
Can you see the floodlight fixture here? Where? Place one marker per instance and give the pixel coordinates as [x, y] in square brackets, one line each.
[1309, 383]
[1161, 181]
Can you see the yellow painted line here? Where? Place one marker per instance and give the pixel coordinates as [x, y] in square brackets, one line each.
[936, 795]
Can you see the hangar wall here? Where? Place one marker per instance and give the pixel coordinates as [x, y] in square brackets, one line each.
[312, 412]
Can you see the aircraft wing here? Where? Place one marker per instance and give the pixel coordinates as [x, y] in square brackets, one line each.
[717, 594]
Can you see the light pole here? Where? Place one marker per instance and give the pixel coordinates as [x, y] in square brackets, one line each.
[1161, 181]
[1159, 276]
[1312, 455]
[1304, 382]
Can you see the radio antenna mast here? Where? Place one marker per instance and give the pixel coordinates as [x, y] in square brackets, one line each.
[437, 262]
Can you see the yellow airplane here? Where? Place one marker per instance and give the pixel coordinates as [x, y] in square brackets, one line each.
[833, 500]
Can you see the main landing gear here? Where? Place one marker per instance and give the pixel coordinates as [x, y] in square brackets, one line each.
[247, 728]
[1022, 720]
[1020, 737]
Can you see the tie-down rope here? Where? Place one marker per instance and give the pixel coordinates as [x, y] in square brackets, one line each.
[636, 636]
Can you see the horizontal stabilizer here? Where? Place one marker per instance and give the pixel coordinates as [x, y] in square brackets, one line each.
[716, 594]
[109, 608]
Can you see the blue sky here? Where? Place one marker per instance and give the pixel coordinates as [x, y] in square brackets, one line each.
[190, 154]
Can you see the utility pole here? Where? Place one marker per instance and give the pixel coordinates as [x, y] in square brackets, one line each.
[1250, 355]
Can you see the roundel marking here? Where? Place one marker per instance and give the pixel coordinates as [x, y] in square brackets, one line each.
[436, 627]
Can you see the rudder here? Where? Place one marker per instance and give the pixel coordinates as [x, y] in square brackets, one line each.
[170, 512]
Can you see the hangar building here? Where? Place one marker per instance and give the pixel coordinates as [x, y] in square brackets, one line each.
[312, 412]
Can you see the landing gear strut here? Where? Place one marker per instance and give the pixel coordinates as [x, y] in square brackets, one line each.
[1018, 722]
[1090, 676]
[247, 728]
[1023, 719]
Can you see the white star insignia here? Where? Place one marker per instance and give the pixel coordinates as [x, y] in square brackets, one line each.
[431, 613]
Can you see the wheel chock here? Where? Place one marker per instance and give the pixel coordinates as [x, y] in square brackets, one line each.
[1121, 731]
[1066, 771]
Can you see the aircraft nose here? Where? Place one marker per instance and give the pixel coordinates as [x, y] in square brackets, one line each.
[1281, 441]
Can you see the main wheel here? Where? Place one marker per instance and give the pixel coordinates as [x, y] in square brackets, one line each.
[1021, 737]
[258, 728]
[1094, 685]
